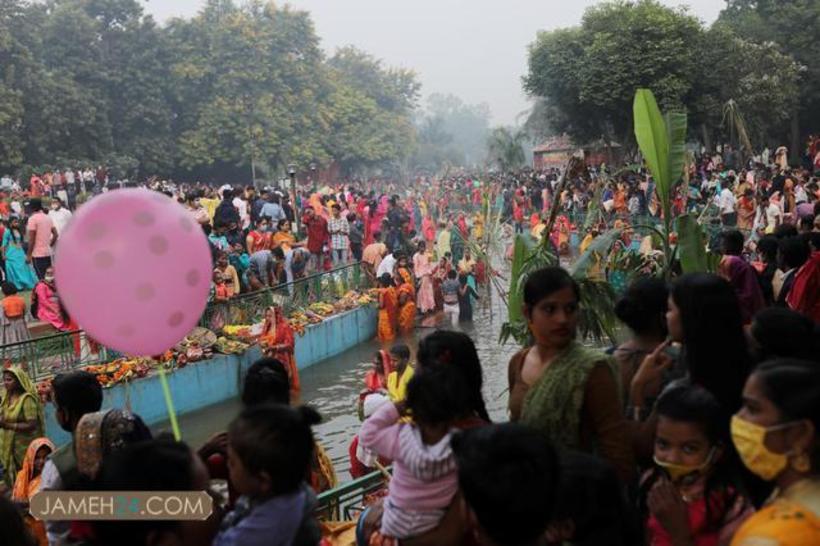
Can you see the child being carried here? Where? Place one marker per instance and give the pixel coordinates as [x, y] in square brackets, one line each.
[424, 468]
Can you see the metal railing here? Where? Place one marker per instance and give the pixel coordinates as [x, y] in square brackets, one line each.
[46, 356]
[250, 308]
[347, 501]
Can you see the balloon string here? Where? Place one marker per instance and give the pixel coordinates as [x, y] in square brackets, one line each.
[169, 403]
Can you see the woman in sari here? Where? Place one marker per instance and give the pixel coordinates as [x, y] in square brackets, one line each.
[388, 308]
[746, 210]
[259, 238]
[27, 483]
[18, 271]
[478, 227]
[456, 243]
[443, 243]
[404, 276]
[376, 378]
[421, 265]
[279, 343]
[467, 267]
[620, 200]
[561, 388]
[21, 421]
[407, 308]
[284, 237]
[428, 230]
[776, 434]
[46, 304]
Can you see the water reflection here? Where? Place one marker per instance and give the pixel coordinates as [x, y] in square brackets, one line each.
[333, 386]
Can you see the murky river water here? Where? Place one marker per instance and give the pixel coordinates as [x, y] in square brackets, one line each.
[333, 386]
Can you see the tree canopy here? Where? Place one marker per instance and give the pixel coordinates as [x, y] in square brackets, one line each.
[234, 89]
[585, 77]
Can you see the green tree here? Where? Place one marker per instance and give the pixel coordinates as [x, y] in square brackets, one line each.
[258, 79]
[370, 112]
[506, 148]
[760, 79]
[11, 99]
[795, 26]
[588, 75]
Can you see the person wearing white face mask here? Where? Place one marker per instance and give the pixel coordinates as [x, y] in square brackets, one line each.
[776, 435]
[60, 216]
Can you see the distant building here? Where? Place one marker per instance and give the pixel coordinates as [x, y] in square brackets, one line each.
[557, 150]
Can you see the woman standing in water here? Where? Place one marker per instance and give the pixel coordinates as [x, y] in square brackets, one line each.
[424, 271]
[388, 308]
[279, 343]
[560, 387]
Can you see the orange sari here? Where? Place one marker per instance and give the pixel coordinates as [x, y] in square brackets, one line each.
[407, 277]
[285, 240]
[279, 343]
[26, 485]
[388, 313]
[407, 313]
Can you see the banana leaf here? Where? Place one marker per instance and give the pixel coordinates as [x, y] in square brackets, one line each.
[600, 247]
[676, 127]
[597, 318]
[653, 139]
[515, 298]
[692, 245]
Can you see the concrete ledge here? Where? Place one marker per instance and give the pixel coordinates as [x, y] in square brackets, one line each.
[208, 382]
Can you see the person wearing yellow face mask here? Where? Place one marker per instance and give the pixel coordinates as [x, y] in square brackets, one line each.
[776, 435]
[690, 497]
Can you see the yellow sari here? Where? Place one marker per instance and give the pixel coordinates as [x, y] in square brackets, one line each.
[210, 206]
[27, 407]
[792, 519]
[397, 386]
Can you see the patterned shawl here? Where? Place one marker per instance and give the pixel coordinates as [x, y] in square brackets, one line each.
[553, 404]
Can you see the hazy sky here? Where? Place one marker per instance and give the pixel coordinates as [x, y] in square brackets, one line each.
[475, 49]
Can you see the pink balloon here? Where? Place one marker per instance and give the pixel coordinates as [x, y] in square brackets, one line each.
[134, 270]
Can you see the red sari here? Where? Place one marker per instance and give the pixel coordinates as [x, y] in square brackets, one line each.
[279, 343]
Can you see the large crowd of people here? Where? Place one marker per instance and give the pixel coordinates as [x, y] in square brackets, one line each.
[699, 428]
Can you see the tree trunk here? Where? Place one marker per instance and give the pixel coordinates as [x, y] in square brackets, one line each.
[794, 149]
[707, 137]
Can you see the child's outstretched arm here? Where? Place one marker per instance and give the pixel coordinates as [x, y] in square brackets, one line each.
[380, 432]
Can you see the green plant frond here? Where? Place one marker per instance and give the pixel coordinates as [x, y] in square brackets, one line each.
[652, 137]
[597, 311]
[599, 247]
[692, 245]
[676, 125]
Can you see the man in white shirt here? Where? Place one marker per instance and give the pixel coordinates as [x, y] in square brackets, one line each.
[387, 265]
[59, 215]
[727, 202]
[774, 216]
